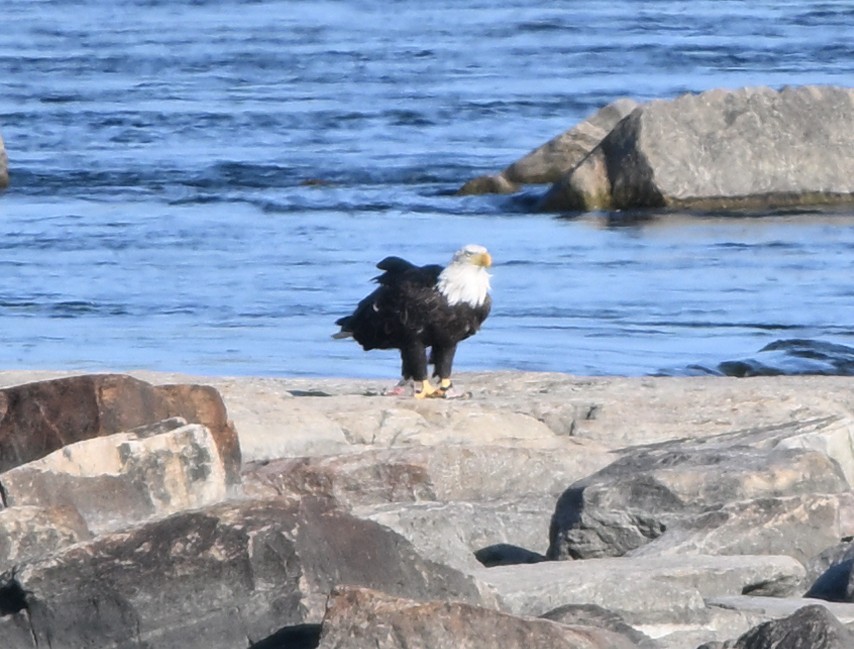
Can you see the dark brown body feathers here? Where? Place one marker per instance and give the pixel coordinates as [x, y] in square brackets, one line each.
[408, 312]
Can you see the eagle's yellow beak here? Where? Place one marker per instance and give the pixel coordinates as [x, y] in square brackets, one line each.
[483, 259]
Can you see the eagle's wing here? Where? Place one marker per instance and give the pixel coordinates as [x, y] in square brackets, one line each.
[399, 272]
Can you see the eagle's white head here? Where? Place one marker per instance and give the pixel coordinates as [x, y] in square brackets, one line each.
[465, 279]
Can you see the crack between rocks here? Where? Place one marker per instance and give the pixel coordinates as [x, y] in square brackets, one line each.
[13, 597]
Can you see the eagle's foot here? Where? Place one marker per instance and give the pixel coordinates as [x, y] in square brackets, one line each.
[445, 388]
[428, 391]
[441, 391]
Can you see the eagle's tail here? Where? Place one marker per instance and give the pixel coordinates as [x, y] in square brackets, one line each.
[346, 331]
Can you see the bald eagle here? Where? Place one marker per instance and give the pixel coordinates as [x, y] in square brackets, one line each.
[419, 307]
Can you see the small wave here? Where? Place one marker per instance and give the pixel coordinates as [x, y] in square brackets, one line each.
[61, 309]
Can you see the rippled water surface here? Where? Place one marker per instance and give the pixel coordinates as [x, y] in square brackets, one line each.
[206, 186]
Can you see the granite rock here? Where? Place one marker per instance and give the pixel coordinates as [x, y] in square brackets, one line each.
[752, 147]
[649, 493]
[811, 626]
[224, 576]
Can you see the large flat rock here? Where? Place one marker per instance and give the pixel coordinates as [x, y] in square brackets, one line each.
[282, 417]
[644, 590]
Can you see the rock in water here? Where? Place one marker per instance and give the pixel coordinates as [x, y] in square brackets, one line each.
[547, 163]
[721, 149]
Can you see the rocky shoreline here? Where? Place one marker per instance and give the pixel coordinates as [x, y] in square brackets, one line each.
[540, 510]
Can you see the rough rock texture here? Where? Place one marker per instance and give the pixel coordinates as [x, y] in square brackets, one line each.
[547, 163]
[39, 418]
[427, 494]
[218, 577]
[4, 165]
[778, 607]
[721, 149]
[650, 493]
[831, 574]
[120, 479]
[364, 619]
[812, 627]
[746, 482]
[28, 533]
[597, 616]
[424, 473]
[643, 589]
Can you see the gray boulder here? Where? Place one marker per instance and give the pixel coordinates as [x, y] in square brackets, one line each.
[811, 627]
[214, 578]
[547, 163]
[648, 493]
[794, 525]
[721, 149]
[468, 535]
[779, 607]
[449, 501]
[831, 574]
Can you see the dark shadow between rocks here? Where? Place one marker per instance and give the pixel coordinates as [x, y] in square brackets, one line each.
[505, 554]
[300, 636]
[13, 598]
[832, 585]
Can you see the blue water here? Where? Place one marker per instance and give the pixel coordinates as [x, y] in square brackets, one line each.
[205, 186]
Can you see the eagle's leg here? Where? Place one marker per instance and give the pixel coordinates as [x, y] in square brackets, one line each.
[443, 360]
[404, 387]
[414, 366]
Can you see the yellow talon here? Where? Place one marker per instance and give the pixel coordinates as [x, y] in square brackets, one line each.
[427, 390]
